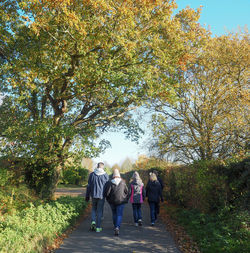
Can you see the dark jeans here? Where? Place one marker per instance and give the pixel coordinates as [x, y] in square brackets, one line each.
[97, 210]
[117, 212]
[137, 212]
[154, 210]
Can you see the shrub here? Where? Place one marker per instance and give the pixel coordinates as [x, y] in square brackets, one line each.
[209, 185]
[35, 227]
[5, 177]
[75, 175]
[237, 173]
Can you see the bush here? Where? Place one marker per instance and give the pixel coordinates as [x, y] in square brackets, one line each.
[209, 185]
[5, 177]
[13, 197]
[35, 227]
[237, 173]
[75, 175]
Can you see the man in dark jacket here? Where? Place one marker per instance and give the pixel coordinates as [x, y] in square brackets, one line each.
[96, 183]
[116, 193]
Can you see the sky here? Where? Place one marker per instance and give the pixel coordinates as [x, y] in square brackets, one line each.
[221, 16]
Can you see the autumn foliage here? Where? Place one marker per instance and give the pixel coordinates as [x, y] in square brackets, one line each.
[72, 69]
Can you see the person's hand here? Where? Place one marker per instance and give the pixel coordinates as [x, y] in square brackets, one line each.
[87, 199]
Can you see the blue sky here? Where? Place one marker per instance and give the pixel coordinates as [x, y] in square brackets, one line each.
[221, 16]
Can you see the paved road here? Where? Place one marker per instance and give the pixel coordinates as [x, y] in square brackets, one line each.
[131, 240]
[70, 192]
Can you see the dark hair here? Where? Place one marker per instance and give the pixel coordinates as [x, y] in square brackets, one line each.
[100, 164]
[155, 172]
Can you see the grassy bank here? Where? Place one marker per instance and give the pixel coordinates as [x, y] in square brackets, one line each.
[225, 231]
[35, 227]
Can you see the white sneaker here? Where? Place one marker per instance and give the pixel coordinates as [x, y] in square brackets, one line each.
[140, 222]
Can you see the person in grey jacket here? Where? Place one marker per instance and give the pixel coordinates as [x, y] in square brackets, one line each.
[137, 195]
[96, 183]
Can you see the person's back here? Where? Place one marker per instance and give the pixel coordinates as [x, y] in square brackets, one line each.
[158, 178]
[154, 191]
[96, 182]
[154, 194]
[137, 192]
[137, 196]
[116, 193]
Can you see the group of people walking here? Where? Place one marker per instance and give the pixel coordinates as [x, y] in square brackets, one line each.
[117, 194]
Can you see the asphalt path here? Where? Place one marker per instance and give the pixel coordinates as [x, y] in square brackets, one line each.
[131, 239]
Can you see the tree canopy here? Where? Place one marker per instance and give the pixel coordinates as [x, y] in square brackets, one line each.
[70, 69]
[211, 117]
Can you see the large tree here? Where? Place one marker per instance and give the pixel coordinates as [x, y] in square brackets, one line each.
[211, 117]
[71, 68]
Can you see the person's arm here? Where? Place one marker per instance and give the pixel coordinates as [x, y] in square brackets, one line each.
[107, 189]
[161, 182]
[126, 191]
[147, 189]
[160, 193]
[129, 191]
[88, 191]
[106, 177]
[143, 193]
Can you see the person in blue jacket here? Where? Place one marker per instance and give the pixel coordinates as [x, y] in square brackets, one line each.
[154, 194]
[96, 183]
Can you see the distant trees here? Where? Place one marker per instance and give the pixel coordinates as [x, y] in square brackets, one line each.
[116, 166]
[144, 162]
[210, 118]
[87, 163]
[127, 165]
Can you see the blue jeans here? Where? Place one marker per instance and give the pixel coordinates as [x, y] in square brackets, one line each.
[117, 212]
[137, 212]
[97, 210]
[154, 211]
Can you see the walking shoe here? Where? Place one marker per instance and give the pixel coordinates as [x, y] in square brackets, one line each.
[116, 231]
[98, 230]
[152, 224]
[140, 222]
[136, 224]
[93, 226]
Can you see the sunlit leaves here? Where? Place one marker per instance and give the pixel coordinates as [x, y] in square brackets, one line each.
[77, 67]
[211, 117]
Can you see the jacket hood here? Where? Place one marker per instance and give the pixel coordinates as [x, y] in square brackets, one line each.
[99, 171]
[136, 178]
[137, 181]
[116, 180]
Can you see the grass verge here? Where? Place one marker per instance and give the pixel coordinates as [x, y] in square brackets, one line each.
[32, 229]
[226, 231]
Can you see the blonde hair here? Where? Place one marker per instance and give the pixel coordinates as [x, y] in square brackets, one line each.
[152, 177]
[136, 177]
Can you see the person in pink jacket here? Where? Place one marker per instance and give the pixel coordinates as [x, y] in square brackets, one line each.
[137, 195]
